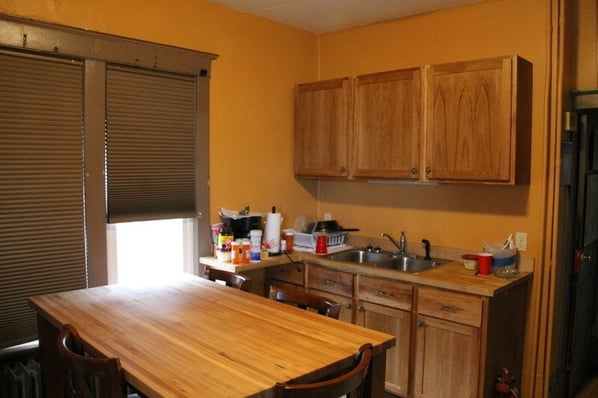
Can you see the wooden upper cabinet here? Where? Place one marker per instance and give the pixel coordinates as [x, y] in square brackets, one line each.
[323, 114]
[478, 121]
[450, 123]
[387, 125]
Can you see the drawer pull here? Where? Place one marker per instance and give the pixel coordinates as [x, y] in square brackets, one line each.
[329, 282]
[447, 308]
[383, 293]
[348, 306]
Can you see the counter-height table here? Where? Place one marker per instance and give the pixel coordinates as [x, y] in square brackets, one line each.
[190, 337]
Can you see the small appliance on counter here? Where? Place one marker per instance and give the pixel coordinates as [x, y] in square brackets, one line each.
[241, 222]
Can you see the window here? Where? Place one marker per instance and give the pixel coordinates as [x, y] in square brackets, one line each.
[53, 198]
[147, 251]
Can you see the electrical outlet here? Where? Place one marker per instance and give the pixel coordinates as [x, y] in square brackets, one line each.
[327, 216]
[521, 241]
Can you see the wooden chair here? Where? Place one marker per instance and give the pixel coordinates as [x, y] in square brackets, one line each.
[231, 279]
[349, 383]
[89, 377]
[304, 300]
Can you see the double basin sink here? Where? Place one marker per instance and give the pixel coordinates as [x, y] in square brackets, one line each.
[399, 262]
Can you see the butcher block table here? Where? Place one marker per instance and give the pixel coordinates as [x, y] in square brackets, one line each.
[190, 337]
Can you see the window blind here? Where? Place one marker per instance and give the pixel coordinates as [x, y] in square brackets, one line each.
[42, 235]
[150, 144]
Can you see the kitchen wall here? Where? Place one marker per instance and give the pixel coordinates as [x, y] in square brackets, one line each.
[252, 110]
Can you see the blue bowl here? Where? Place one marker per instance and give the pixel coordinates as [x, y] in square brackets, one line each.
[501, 262]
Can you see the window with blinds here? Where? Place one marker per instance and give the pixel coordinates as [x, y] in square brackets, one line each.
[42, 223]
[150, 144]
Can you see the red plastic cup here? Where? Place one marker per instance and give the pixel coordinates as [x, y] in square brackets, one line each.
[321, 244]
[484, 263]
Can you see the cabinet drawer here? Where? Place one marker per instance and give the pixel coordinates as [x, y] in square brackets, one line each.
[329, 280]
[292, 273]
[455, 307]
[385, 291]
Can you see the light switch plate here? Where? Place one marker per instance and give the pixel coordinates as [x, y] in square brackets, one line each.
[521, 241]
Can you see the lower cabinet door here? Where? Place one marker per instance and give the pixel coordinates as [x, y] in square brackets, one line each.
[447, 359]
[397, 323]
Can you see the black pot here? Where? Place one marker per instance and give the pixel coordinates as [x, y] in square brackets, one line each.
[331, 226]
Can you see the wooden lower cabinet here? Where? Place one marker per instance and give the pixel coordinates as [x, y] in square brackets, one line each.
[448, 343]
[397, 323]
[447, 359]
[291, 275]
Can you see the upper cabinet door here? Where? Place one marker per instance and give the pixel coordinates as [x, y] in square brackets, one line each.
[322, 128]
[473, 113]
[386, 141]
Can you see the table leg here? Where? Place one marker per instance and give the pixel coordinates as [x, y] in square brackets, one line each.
[52, 371]
[377, 375]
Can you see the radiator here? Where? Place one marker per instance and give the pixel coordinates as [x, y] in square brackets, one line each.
[20, 379]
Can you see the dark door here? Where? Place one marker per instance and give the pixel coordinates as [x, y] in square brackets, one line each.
[583, 342]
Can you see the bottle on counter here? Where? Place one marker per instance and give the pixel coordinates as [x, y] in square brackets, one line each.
[255, 251]
[245, 251]
[223, 247]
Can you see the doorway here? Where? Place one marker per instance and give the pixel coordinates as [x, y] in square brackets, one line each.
[581, 230]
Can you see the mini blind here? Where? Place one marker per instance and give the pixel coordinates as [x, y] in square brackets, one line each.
[42, 235]
[150, 144]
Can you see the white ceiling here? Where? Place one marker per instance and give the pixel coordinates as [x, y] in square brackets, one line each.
[321, 16]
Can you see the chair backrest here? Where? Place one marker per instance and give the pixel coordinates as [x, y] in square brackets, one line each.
[350, 383]
[89, 377]
[231, 279]
[323, 305]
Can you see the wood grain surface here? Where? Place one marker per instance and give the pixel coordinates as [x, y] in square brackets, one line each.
[190, 337]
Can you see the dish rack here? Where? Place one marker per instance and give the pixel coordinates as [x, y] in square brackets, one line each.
[309, 240]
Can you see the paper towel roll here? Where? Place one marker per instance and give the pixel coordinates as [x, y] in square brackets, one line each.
[272, 232]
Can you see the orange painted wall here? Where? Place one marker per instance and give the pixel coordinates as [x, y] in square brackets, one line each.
[252, 82]
[459, 216]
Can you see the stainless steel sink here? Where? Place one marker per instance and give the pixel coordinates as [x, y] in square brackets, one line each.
[360, 256]
[410, 264]
[399, 262]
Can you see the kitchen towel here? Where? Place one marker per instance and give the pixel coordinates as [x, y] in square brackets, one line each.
[272, 233]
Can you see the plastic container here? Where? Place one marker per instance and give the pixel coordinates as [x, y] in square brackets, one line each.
[223, 247]
[255, 250]
[470, 262]
[235, 252]
[504, 263]
[289, 238]
[245, 251]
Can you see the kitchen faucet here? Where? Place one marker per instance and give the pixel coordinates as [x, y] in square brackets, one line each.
[426, 248]
[402, 245]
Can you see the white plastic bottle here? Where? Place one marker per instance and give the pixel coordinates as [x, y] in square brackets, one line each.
[255, 251]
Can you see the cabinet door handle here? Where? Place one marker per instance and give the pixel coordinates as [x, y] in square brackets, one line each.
[447, 308]
[360, 308]
[428, 170]
[420, 324]
[414, 170]
[343, 169]
[348, 306]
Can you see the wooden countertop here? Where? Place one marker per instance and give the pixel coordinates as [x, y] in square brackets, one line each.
[189, 337]
[451, 276]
